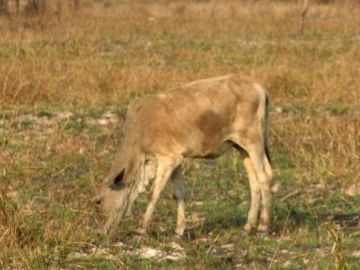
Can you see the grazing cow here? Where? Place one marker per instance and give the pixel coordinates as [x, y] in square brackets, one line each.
[201, 119]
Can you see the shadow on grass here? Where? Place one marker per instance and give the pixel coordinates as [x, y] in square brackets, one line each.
[284, 217]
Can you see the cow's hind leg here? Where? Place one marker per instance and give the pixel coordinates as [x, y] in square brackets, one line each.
[257, 157]
[255, 195]
[166, 165]
[265, 213]
[179, 189]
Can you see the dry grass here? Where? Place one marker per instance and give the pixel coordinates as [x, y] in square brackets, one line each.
[110, 53]
[60, 76]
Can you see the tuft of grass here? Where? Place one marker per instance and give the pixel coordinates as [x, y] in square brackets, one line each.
[337, 108]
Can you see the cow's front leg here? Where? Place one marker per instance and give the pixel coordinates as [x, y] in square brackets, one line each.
[179, 190]
[164, 170]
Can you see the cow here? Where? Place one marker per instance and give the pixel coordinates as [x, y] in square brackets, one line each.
[201, 119]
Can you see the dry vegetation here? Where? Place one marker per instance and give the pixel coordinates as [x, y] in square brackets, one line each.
[65, 80]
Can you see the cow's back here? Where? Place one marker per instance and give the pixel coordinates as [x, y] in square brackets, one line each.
[195, 119]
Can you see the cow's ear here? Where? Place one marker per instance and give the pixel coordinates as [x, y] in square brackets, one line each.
[118, 178]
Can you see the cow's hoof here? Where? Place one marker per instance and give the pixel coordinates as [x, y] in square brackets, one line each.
[248, 228]
[179, 232]
[141, 231]
[263, 228]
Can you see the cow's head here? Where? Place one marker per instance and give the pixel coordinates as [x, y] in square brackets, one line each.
[116, 195]
[113, 200]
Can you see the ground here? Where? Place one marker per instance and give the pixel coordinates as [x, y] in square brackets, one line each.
[65, 85]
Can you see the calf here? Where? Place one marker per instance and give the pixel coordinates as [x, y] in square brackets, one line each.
[201, 119]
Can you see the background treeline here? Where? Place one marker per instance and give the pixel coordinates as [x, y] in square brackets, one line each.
[8, 7]
[31, 7]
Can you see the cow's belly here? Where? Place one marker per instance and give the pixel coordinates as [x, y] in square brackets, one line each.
[209, 152]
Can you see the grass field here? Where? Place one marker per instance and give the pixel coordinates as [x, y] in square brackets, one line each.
[65, 82]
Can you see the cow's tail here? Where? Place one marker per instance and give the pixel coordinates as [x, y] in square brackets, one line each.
[266, 128]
